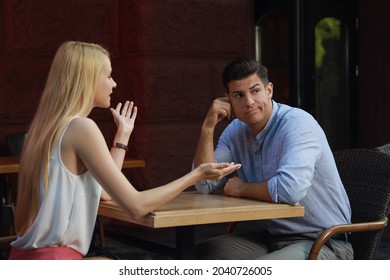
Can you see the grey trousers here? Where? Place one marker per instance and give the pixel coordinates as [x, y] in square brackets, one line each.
[263, 246]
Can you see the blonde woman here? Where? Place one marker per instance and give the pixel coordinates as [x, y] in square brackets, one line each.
[66, 167]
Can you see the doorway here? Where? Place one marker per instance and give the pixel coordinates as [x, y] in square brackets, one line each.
[310, 49]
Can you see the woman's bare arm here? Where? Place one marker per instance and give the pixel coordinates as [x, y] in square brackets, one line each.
[89, 144]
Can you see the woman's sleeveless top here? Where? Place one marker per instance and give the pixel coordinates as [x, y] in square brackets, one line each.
[68, 213]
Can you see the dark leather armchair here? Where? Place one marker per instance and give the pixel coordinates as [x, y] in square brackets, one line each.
[366, 177]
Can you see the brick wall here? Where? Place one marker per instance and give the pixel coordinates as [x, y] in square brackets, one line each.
[167, 56]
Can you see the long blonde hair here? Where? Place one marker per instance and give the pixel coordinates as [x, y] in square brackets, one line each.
[69, 91]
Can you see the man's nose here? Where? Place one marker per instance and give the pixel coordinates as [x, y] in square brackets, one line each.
[248, 99]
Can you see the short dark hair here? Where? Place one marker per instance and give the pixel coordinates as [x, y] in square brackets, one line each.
[241, 68]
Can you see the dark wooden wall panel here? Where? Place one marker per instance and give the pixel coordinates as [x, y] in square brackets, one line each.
[167, 56]
[374, 60]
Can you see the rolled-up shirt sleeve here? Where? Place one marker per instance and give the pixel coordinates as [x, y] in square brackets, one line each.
[209, 186]
[295, 171]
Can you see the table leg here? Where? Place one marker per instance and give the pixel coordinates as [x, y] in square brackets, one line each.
[185, 242]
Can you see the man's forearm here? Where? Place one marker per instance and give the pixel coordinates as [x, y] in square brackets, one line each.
[205, 148]
[257, 191]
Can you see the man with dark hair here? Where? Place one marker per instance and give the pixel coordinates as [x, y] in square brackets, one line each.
[285, 158]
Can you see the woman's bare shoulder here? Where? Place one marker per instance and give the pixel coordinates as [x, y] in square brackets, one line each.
[81, 121]
[82, 124]
[82, 129]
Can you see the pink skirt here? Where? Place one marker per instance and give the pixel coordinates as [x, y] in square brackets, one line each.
[45, 253]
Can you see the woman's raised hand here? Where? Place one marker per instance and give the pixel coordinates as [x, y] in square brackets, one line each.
[124, 118]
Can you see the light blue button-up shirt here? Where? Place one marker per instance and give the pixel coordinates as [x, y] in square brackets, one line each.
[293, 155]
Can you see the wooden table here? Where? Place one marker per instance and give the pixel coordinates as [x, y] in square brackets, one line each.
[192, 208]
[10, 164]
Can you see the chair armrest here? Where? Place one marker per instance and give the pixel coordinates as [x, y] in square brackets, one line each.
[356, 227]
